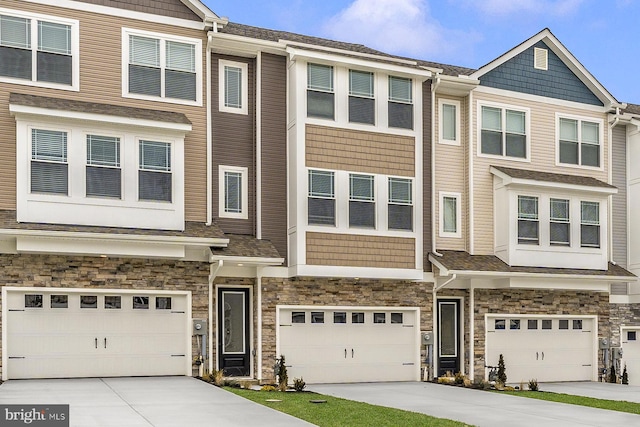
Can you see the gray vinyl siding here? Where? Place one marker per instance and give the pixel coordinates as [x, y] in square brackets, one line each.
[619, 215]
[234, 145]
[426, 173]
[519, 75]
[171, 8]
[274, 151]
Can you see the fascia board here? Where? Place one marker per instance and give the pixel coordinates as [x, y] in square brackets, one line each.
[219, 41]
[504, 274]
[444, 271]
[197, 7]
[248, 260]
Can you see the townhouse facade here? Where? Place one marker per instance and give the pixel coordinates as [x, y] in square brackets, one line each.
[197, 194]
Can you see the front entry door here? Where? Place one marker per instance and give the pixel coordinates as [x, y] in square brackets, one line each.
[234, 329]
[448, 336]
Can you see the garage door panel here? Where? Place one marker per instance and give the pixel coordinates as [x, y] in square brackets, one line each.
[631, 353]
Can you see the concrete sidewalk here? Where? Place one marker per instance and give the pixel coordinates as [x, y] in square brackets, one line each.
[476, 407]
[144, 402]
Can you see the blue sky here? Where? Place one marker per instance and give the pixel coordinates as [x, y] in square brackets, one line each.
[603, 35]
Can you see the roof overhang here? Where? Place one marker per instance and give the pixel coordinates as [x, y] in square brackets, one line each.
[454, 85]
[508, 180]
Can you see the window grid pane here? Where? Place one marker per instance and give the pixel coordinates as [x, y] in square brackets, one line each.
[103, 151]
[54, 38]
[320, 77]
[400, 191]
[559, 228]
[361, 83]
[181, 56]
[144, 51]
[155, 156]
[528, 220]
[449, 122]
[361, 187]
[15, 32]
[321, 184]
[449, 214]
[233, 87]
[233, 192]
[49, 145]
[400, 89]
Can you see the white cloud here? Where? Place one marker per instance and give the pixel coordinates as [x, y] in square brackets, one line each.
[510, 7]
[402, 27]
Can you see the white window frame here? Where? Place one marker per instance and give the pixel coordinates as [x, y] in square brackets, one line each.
[580, 119]
[171, 169]
[244, 96]
[504, 107]
[537, 220]
[126, 32]
[75, 50]
[441, 139]
[598, 224]
[411, 202]
[120, 166]
[244, 172]
[457, 197]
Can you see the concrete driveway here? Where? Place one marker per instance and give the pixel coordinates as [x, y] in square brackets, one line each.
[476, 407]
[144, 402]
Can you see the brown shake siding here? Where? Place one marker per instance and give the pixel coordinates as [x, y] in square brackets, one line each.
[234, 144]
[171, 8]
[426, 173]
[350, 250]
[101, 82]
[358, 151]
[274, 151]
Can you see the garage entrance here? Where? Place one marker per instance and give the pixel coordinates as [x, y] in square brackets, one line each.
[547, 348]
[350, 344]
[66, 333]
[630, 342]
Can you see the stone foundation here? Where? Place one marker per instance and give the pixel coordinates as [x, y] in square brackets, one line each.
[622, 314]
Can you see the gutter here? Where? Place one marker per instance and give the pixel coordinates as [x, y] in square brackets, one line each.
[434, 87]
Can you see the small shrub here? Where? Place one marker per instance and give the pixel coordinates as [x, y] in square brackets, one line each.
[625, 376]
[283, 377]
[446, 380]
[459, 378]
[502, 374]
[246, 384]
[230, 383]
[533, 384]
[267, 388]
[499, 385]
[299, 384]
[218, 377]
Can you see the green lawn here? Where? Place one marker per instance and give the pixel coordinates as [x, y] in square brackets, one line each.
[613, 405]
[340, 412]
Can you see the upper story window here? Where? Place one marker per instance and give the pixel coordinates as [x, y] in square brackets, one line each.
[322, 198]
[528, 224]
[49, 166]
[590, 224]
[559, 223]
[400, 103]
[579, 142]
[154, 173]
[103, 174]
[450, 212]
[38, 51]
[400, 211]
[161, 66]
[362, 104]
[234, 196]
[449, 123]
[233, 78]
[362, 204]
[320, 94]
[503, 132]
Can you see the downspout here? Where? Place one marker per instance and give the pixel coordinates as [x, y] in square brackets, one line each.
[435, 322]
[434, 226]
[259, 321]
[214, 268]
[209, 131]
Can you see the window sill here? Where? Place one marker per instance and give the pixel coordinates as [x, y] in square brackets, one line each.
[44, 85]
[197, 103]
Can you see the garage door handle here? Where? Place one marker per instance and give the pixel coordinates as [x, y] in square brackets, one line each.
[352, 353]
[543, 355]
[537, 355]
[345, 353]
[105, 343]
[96, 342]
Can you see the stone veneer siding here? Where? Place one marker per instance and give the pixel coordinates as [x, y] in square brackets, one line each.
[336, 292]
[622, 314]
[109, 273]
[540, 301]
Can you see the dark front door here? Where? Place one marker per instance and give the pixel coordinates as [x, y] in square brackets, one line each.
[234, 329]
[448, 336]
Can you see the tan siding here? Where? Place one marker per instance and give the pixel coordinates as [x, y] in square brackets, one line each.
[543, 158]
[234, 144]
[274, 151]
[619, 211]
[171, 8]
[359, 151]
[101, 81]
[350, 250]
[450, 177]
[427, 221]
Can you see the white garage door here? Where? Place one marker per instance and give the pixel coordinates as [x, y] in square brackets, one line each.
[631, 354]
[62, 333]
[346, 344]
[547, 349]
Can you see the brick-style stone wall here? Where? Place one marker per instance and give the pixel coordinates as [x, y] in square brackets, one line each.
[622, 314]
[337, 292]
[542, 301]
[109, 273]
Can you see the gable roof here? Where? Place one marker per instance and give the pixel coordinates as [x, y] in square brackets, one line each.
[557, 178]
[565, 56]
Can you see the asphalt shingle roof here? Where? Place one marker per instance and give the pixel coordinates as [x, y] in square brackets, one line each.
[586, 181]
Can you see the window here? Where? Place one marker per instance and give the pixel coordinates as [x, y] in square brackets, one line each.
[234, 189]
[503, 132]
[528, 220]
[154, 175]
[49, 167]
[532, 324]
[499, 324]
[103, 167]
[322, 202]
[112, 302]
[449, 122]
[579, 142]
[33, 301]
[396, 318]
[400, 204]
[357, 317]
[631, 335]
[140, 303]
[88, 301]
[361, 201]
[35, 50]
[298, 317]
[163, 303]
[317, 317]
[161, 66]
[577, 324]
[450, 215]
[559, 226]
[379, 318]
[546, 324]
[563, 324]
[234, 89]
[514, 324]
[400, 103]
[59, 301]
[362, 104]
[590, 224]
[339, 317]
[320, 94]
